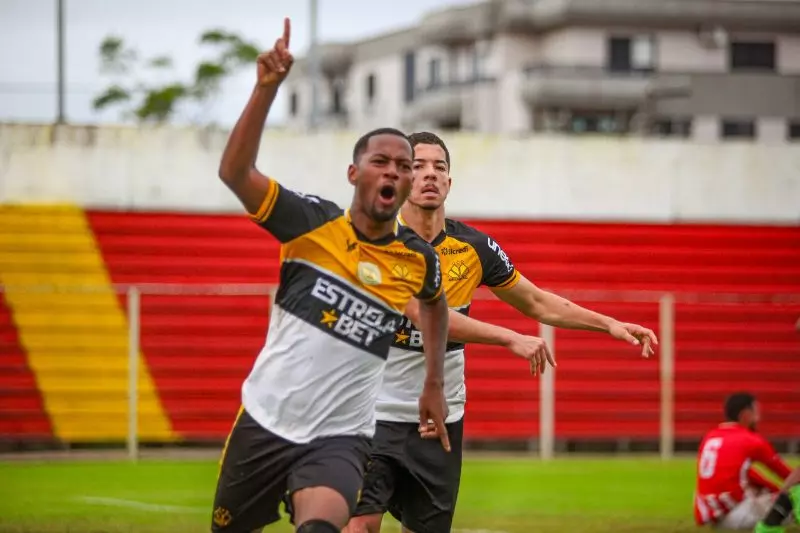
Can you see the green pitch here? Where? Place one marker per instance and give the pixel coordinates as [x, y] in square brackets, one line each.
[497, 495]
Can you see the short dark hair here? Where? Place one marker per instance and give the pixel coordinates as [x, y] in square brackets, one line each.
[426, 137]
[363, 141]
[736, 403]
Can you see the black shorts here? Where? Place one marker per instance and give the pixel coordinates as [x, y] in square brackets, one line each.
[259, 470]
[414, 479]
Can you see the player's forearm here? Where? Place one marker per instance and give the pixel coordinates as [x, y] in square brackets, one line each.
[465, 329]
[779, 467]
[433, 322]
[241, 151]
[556, 311]
[468, 330]
[755, 479]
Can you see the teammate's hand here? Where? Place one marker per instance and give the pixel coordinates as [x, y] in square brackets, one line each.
[534, 349]
[636, 335]
[432, 414]
[274, 65]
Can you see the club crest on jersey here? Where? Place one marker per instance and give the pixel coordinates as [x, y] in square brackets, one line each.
[458, 271]
[369, 273]
[400, 270]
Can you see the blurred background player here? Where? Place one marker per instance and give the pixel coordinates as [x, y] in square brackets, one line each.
[408, 476]
[730, 492]
[302, 435]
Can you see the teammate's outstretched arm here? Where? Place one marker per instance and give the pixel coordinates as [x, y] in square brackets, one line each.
[470, 331]
[556, 311]
[237, 168]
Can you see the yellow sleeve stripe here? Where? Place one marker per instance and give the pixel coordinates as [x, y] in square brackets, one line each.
[268, 203]
[510, 282]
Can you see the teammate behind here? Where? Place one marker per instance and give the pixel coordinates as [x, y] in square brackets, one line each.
[730, 493]
[408, 476]
[302, 435]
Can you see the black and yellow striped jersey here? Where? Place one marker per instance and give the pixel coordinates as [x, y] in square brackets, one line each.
[338, 305]
[469, 259]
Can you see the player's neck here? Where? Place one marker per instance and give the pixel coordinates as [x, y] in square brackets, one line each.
[368, 227]
[427, 223]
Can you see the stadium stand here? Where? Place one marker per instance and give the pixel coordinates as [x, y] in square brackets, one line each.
[198, 348]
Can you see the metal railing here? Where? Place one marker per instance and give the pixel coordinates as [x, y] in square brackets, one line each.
[666, 302]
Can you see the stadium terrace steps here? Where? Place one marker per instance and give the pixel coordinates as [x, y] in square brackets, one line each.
[198, 348]
[71, 325]
[604, 389]
[22, 412]
[719, 347]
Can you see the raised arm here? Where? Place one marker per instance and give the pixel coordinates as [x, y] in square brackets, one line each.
[556, 311]
[237, 168]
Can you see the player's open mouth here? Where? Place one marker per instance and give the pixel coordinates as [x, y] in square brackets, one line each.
[387, 194]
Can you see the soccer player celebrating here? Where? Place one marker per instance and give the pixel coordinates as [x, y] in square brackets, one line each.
[730, 493]
[407, 476]
[308, 404]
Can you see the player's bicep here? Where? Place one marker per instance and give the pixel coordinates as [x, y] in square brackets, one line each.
[287, 214]
[252, 190]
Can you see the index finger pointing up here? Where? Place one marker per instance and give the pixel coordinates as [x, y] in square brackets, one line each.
[287, 31]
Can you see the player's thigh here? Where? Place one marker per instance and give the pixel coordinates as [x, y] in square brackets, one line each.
[746, 515]
[253, 478]
[436, 475]
[384, 472]
[326, 481]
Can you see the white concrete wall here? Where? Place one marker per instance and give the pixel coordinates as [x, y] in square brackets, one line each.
[496, 177]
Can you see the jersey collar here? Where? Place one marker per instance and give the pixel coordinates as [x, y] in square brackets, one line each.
[437, 240]
[380, 241]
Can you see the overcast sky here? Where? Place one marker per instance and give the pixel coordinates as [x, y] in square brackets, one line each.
[158, 27]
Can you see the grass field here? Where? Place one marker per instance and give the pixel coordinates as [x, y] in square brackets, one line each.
[498, 495]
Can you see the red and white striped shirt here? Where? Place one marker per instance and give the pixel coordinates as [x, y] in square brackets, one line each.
[724, 470]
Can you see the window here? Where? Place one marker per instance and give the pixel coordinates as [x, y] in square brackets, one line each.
[595, 122]
[475, 63]
[336, 99]
[672, 127]
[371, 88]
[452, 66]
[631, 54]
[410, 79]
[434, 73]
[793, 130]
[752, 56]
[738, 129]
[293, 104]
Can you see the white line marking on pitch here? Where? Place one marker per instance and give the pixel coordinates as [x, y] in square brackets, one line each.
[477, 531]
[142, 506]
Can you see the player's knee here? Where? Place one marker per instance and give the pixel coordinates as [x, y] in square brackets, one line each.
[317, 526]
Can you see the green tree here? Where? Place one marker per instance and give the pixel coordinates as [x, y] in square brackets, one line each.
[157, 103]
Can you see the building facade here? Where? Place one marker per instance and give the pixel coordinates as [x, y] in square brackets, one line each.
[707, 70]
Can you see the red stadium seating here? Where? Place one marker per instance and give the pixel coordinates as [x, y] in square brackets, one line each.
[22, 414]
[200, 348]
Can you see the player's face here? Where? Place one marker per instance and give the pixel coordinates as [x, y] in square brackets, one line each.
[754, 415]
[382, 176]
[431, 177]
